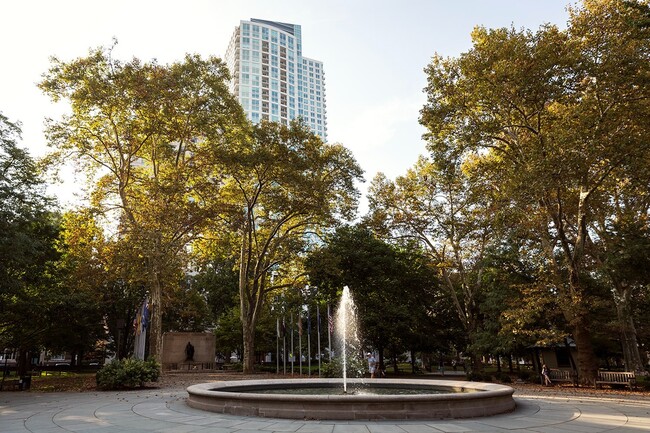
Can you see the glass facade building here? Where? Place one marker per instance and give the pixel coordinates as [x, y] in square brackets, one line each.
[272, 79]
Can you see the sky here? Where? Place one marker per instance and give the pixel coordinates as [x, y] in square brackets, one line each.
[374, 54]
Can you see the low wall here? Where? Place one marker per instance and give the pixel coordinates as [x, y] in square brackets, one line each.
[175, 345]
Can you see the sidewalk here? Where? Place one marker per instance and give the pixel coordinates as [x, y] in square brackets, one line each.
[164, 410]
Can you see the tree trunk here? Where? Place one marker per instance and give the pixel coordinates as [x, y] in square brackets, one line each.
[629, 341]
[249, 347]
[21, 364]
[155, 314]
[586, 358]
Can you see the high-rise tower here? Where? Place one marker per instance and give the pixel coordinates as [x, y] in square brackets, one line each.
[272, 79]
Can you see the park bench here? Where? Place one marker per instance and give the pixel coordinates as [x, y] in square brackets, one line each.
[627, 378]
[563, 376]
[21, 384]
[10, 384]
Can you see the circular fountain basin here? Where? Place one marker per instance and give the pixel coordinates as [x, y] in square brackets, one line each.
[286, 398]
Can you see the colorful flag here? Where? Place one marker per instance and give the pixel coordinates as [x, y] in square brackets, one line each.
[330, 320]
[299, 325]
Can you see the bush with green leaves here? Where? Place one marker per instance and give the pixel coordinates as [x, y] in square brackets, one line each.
[355, 367]
[504, 377]
[643, 382]
[528, 376]
[477, 376]
[127, 373]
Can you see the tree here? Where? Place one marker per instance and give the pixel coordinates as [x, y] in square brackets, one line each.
[145, 133]
[555, 115]
[281, 188]
[395, 290]
[440, 208]
[29, 228]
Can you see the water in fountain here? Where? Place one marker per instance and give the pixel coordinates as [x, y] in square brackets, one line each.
[346, 333]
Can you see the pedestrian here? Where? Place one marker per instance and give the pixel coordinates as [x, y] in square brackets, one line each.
[545, 375]
[372, 365]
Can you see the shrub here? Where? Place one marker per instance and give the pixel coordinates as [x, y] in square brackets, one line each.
[355, 368]
[643, 382]
[528, 376]
[477, 376]
[127, 373]
[504, 378]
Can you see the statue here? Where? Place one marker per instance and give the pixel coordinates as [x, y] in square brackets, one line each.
[189, 352]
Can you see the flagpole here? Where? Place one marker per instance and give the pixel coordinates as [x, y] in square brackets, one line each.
[308, 343]
[318, 326]
[277, 346]
[284, 345]
[300, 339]
[329, 331]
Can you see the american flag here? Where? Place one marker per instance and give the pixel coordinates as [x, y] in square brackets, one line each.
[330, 321]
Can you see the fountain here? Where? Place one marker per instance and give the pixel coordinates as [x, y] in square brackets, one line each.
[370, 398]
[346, 331]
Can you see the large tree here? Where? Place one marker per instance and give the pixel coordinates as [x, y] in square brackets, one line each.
[145, 133]
[396, 291]
[28, 232]
[558, 115]
[280, 190]
[441, 209]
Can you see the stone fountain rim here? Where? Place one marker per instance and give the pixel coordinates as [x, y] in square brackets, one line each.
[462, 390]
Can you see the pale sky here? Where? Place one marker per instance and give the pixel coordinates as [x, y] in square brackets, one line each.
[374, 53]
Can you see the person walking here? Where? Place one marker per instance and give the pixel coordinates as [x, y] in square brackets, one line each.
[372, 365]
[546, 375]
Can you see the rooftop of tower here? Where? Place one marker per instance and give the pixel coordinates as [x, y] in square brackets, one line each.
[285, 27]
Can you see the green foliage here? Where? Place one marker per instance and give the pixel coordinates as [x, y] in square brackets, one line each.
[355, 367]
[551, 125]
[504, 377]
[151, 131]
[289, 185]
[643, 382]
[378, 274]
[528, 376]
[127, 373]
[477, 376]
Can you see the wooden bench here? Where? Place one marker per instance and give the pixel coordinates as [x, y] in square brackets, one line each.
[627, 378]
[563, 376]
[11, 384]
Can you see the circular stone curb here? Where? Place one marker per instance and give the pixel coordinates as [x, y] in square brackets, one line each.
[466, 400]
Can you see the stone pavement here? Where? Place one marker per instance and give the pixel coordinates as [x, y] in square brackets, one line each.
[164, 410]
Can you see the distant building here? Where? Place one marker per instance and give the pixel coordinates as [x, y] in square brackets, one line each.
[272, 79]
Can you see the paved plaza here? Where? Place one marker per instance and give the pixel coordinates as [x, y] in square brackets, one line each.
[164, 410]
